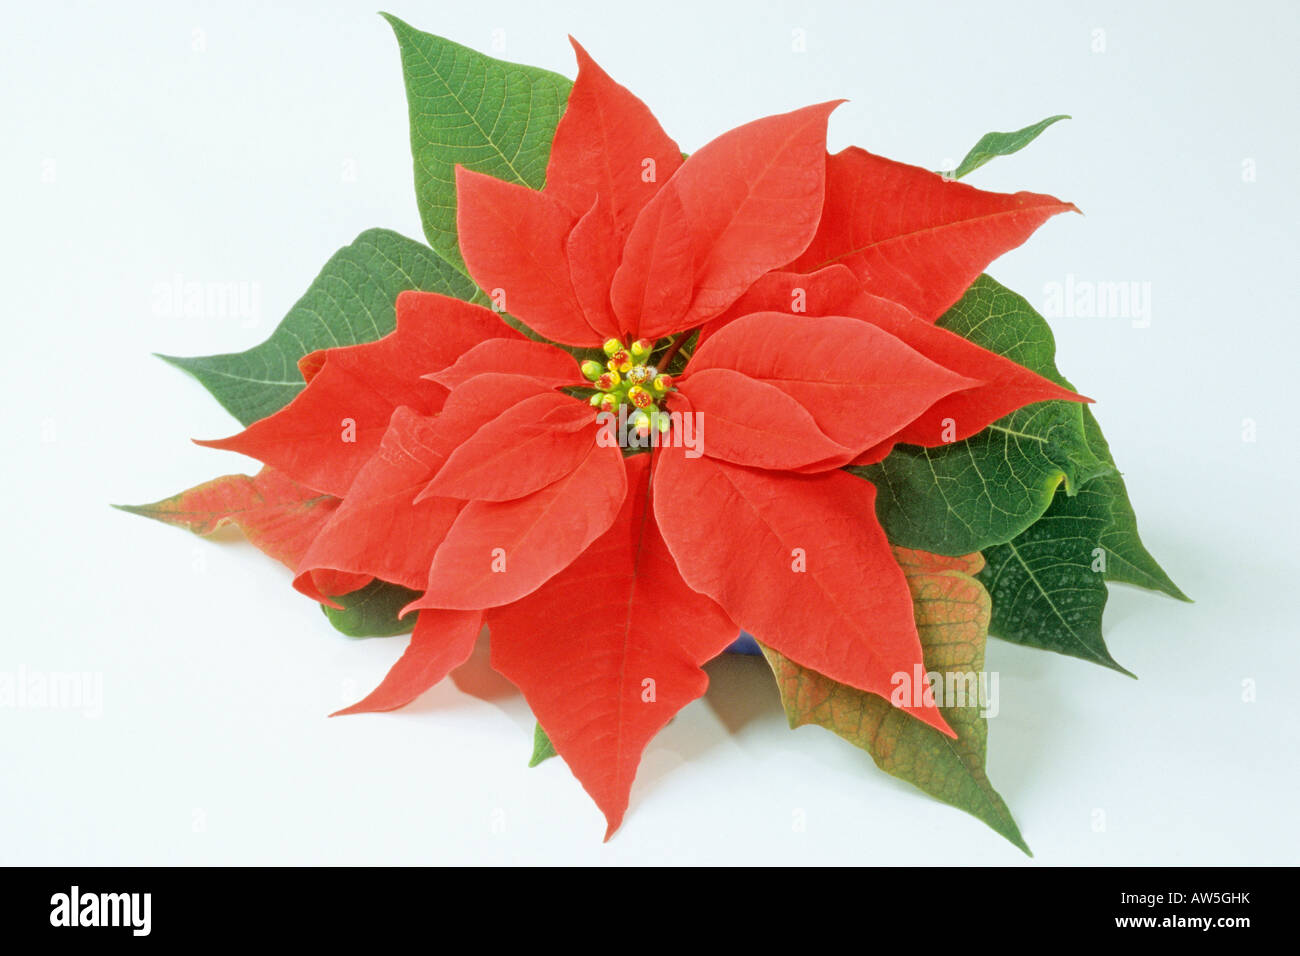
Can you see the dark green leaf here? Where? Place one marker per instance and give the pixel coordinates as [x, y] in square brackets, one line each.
[966, 496]
[350, 302]
[1127, 559]
[471, 110]
[992, 145]
[1048, 584]
[372, 611]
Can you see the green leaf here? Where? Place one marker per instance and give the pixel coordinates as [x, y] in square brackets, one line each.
[1127, 559]
[992, 145]
[966, 496]
[372, 611]
[542, 749]
[471, 110]
[952, 616]
[350, 302]
[1048, 584]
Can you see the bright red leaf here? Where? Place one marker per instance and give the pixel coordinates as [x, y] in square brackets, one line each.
[912, 236]
[608, 145]
[525, 448]
[593, 255]
[753, 423]
[381, 529]
[1004, 386]
[513, 240]
[859, 383]
[655, 281]
[750, 199]
[817, 580]
[607, 651]
[534, 359]
[441, 641]
[329, 431]
[498, 551]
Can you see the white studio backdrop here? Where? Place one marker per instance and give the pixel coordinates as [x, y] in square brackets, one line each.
[151, 144]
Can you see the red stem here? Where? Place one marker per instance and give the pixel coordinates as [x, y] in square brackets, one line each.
[669, 355]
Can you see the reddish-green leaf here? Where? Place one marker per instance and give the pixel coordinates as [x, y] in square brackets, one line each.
[952, 615]
[278, 515]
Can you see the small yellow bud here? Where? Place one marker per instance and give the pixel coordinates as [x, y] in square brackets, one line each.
[639, 397]
[641, 348]
[611, 346]
[663, 383]
[592, 370]
[607, 380]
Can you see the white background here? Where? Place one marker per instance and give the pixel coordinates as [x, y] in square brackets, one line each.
[211, 142]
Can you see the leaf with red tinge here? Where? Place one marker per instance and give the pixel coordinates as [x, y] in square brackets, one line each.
[952, 616]
[513, 240]
[751, 200]
[818, 582]
[498, 551]
[538, 360]
[441, 641]
[912, 236]
[329, 431]
[859, 383]
[278, 515]
[380, 529]
[749, 422]
[526, 447]
[607, 651]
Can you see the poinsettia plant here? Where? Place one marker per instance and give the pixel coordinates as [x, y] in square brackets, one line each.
[628, 402]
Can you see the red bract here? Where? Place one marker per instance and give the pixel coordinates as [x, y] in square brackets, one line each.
[471, 466]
